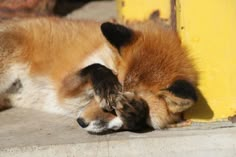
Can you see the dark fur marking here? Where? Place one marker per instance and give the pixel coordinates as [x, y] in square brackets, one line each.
[183, 89]
[106, 84]
[15, 87]
[116, 34]
[134, 114]
[5, 104]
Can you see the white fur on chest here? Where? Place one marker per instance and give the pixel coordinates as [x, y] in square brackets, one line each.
[38, 92]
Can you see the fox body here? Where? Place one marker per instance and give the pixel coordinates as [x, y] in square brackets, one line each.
[107, 75]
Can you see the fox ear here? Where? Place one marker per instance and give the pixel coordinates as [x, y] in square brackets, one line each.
[117, 35]
[180, 96]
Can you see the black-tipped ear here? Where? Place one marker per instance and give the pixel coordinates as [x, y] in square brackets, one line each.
[116, 34]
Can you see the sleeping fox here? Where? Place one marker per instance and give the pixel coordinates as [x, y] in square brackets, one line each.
[108, 76]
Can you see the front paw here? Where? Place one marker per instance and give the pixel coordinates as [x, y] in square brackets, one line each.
[106, 92]
[132, 110]
[105, 84]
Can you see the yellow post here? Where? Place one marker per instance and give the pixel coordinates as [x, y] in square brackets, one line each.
[208, 28]
[142, 9]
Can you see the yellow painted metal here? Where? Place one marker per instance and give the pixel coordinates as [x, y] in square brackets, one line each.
[142, 9]
[208, 28]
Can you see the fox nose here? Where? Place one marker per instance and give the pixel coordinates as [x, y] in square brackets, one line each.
[82, 122]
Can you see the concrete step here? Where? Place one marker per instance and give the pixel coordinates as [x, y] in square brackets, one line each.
[27, 133]
[95, 10]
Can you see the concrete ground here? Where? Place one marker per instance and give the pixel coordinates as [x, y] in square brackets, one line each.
[27, 133]
[97, 10]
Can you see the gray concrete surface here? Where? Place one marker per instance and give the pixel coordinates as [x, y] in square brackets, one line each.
[97, 10]
[26, 133]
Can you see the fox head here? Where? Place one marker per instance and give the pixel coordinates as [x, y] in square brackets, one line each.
[156, 74]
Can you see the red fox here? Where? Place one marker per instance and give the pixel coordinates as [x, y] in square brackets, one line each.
[109, 76]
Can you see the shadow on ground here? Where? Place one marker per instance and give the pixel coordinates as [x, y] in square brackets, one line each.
[201, 110]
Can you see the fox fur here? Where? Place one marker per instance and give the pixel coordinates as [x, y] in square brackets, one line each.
[53, 65]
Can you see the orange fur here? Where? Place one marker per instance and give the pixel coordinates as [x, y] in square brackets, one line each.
[152, 61]
[158, 54]
[57, 49]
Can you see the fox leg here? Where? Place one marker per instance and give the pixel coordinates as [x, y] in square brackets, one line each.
[181, 124]
[104, 82]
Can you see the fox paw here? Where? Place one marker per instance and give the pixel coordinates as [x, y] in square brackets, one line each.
[132, 109]
[106, 92]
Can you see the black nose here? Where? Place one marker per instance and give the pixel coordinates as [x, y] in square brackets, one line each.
[82, 122]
